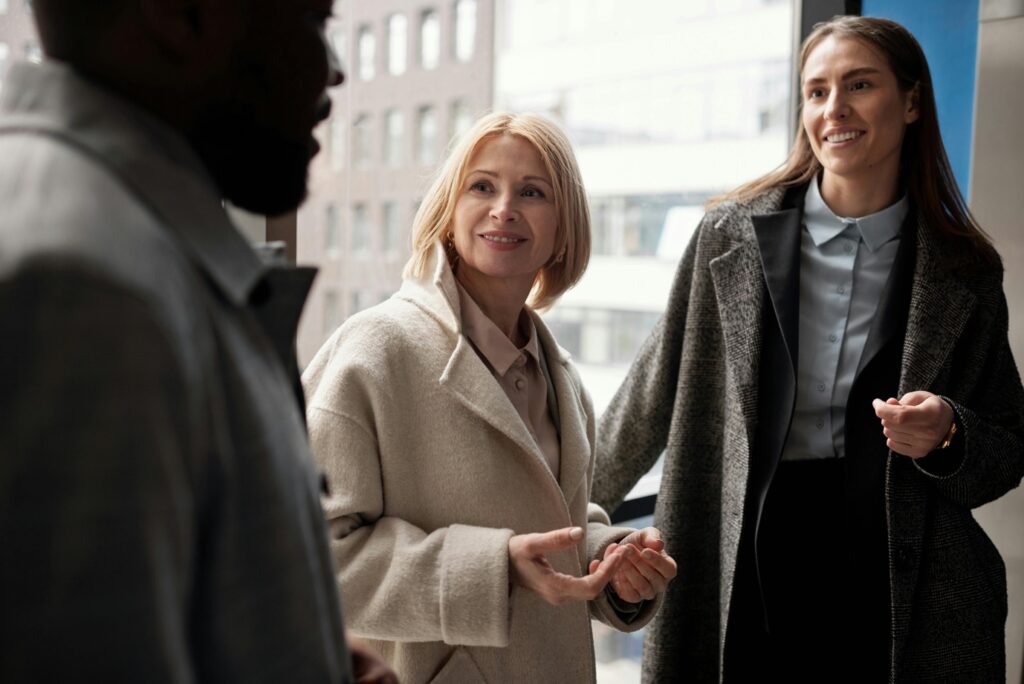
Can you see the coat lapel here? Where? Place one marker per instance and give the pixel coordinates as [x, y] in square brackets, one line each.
[574, 436]
[892, 307]
[469, 380]
[739, 291]
[940, 306]
[778, 240]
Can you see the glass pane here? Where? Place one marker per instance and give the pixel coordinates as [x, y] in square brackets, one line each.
[426, 148]
[397, 44]
[430, 39]
[367, 53]
[465, 29]
[394, 134]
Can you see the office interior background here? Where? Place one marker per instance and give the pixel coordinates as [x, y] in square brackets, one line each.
[668, 102]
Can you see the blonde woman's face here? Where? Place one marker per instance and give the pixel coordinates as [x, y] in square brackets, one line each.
[505, 219]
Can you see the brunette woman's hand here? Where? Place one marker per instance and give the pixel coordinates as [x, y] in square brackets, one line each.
[646, 570]
[916, 424]
[529, 567]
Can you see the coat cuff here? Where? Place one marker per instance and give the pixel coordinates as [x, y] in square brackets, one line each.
[475, 586]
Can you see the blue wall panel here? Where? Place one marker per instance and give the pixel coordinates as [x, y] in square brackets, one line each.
[948, 32]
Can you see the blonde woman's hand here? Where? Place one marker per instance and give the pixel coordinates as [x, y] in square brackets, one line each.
[646, 570]
[529, 567]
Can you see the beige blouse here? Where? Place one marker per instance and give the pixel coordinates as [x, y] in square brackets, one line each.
[518, 371]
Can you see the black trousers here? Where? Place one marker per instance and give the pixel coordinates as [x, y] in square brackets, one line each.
[820, 612]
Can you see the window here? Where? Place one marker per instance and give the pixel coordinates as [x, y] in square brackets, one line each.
[358, 300]
[394, 135]
[330, 312]
[336, 134]
[339, 43]
[4, 50]
[367, 47]
[465, 29]
[426, 136]
[397, 44]
[3, 6]
[392, 228]
[459, 119]
[430, 39]
[331, 229]
[363, 141]
[32, 52]
[360, 230]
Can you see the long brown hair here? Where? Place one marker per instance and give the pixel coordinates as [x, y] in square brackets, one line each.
[924, 166]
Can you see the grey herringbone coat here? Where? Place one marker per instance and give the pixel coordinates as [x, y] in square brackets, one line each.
[693, 392]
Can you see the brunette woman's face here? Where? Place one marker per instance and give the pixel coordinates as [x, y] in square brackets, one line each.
[854, 112]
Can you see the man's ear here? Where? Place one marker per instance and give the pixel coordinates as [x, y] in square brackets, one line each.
[174, 25]
[191, 31]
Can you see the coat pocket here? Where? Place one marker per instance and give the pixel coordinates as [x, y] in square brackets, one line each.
[460, 669]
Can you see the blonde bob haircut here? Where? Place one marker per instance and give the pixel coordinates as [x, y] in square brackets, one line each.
[433, 222]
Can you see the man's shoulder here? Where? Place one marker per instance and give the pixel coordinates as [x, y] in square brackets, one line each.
[62, 208]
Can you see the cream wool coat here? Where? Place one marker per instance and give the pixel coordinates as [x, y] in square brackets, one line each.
[431, 472]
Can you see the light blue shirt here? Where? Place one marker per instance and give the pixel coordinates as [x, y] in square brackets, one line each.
[844, 264]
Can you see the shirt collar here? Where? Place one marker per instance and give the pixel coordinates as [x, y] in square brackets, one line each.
[152, 159]
[875, 229]
[493, 345]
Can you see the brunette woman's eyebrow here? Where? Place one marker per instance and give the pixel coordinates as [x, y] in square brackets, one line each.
[852, 73]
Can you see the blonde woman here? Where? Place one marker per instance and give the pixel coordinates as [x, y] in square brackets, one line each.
[459, 441]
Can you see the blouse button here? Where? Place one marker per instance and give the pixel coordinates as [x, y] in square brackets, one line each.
[520, 383]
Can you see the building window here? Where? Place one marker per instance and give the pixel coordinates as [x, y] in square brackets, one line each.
[337, 141]
[363, 141]
[460, 119]
[367, 53]
[465, 29]
[398, 42]
[358, 300]
[4, 51]
[33, 53]
[330, 312]
[394, 135]
[339, 42]
[392, 228]
[430, 39]
[360, 229]
[426, 136]
[331, 230]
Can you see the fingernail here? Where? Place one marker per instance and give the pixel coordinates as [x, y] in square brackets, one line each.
[576, 533]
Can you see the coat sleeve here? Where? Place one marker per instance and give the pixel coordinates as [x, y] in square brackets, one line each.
[607, 607]
[99, 494]
[398, 582]
[634, 429]
[988, 460]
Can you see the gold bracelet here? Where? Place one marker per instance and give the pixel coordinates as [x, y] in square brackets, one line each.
[948, 439]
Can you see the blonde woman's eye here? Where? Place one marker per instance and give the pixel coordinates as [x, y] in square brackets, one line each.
[533, 192]
[480, 186]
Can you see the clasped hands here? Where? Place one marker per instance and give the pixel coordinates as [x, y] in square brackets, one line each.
[916, 424]
[637, 567]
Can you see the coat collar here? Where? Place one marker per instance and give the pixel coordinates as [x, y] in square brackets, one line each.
[146, 155]
[469, 380]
